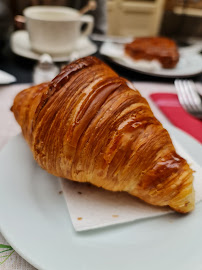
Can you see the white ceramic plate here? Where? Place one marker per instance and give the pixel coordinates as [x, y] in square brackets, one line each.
[6, 78]
[35, 221]
[190, 62]
[20, 45]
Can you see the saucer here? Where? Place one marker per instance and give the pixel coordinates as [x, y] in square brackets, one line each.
[20, 45]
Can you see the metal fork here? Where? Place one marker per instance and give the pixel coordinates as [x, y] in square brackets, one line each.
[189, 98]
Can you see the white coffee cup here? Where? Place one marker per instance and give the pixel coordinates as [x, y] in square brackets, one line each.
[55, 30]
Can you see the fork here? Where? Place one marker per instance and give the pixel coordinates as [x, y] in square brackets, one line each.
[189, 98]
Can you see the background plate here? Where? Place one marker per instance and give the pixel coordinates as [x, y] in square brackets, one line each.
[35, 221]
[190, 62]
[190, 70]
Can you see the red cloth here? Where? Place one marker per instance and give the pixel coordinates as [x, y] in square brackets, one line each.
[170, 106]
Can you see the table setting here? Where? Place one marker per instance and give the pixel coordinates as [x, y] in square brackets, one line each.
[49, 222]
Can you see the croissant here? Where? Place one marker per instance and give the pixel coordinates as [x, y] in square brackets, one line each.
[88, 125]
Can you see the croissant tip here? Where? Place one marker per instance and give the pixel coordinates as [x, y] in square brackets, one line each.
[184, 209]
[184, 205]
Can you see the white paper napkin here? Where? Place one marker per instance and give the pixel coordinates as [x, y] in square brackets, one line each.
[6, 78]
[91, 207]
[116, 51]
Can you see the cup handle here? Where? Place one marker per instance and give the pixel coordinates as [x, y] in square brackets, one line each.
[87, 19]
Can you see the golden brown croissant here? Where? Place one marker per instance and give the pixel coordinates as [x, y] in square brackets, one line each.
[87, 125]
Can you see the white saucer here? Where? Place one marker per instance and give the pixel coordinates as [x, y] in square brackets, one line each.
[20, 45]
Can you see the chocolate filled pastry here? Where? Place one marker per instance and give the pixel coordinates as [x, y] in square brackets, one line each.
[161, 49]
[88, 125]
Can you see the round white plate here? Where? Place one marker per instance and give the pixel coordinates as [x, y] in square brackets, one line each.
[6, 78]
[190, 62]
[35, 221]
[20, 45]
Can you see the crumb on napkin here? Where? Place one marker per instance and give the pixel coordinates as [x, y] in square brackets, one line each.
[115, 216]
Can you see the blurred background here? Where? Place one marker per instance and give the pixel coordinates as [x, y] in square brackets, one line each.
[176, 19]
[172, 18]
[128, 17]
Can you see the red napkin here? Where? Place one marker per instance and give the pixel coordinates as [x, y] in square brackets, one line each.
[170, 106]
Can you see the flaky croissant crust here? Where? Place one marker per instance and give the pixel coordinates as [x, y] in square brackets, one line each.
[88, 125]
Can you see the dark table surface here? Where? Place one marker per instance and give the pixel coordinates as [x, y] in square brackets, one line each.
[22, 68]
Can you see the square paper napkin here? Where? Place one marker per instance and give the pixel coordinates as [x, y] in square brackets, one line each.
[91, 207]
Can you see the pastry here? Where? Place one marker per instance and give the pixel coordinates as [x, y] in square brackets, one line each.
[161, 49]
[88, 125]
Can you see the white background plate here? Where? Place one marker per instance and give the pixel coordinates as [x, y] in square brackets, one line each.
[190, 62]
[6, 78]
[35, 221]
[20, 45]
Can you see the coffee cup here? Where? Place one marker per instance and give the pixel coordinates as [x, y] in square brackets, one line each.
[55, 30]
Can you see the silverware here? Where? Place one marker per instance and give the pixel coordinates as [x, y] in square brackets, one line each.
[189, 97]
